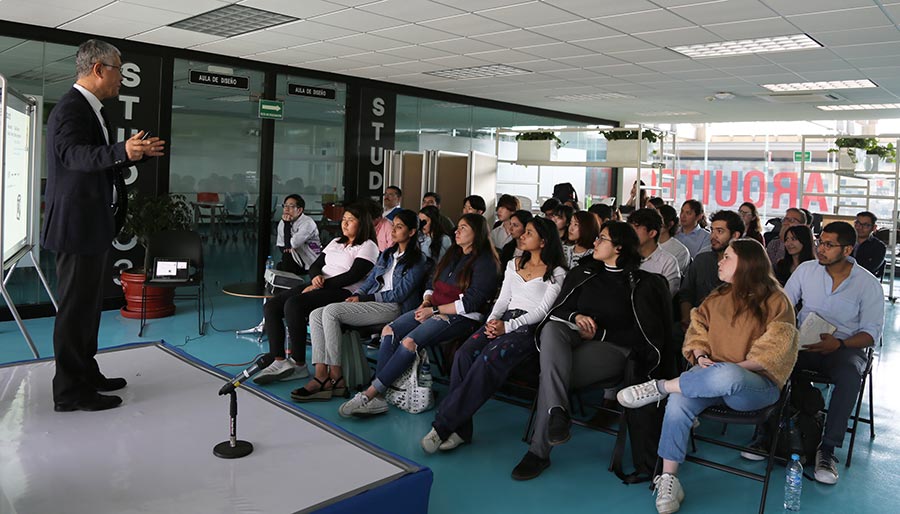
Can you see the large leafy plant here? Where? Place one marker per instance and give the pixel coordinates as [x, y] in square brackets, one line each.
[149, 214]
[541, 135]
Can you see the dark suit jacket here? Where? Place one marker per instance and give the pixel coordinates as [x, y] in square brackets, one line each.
[81, 170]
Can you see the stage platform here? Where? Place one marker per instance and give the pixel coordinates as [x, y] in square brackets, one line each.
[154, 453]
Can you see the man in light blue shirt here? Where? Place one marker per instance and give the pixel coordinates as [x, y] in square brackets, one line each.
[691, 234]
[846, 295]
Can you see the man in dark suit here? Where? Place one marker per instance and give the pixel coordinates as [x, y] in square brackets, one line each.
[869, 252]
[85, 207]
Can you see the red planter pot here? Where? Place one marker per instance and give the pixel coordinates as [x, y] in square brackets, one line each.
[160, 300]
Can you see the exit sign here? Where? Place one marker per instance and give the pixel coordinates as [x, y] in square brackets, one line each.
[802, 156]
[271, 109]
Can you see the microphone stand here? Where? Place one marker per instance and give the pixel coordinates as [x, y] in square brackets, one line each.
[233, 448]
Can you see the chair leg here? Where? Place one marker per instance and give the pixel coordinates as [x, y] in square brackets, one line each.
[770, 463]
[526, 437]
[201, 315]
[871, 408]
[859, 399]
[143, 309]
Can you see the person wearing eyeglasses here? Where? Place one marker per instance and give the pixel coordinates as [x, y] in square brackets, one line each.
[868, 251]
[391, 201]
[750, 216]
[775, 248]
[297, 237]
[85, 209]
[850, 298]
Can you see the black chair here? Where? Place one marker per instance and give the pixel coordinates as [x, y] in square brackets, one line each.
[729, 416]
[175, 245]
[821, 378]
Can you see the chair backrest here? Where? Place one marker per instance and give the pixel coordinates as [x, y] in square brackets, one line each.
[176, 245]
[236, 203]
[207, 197]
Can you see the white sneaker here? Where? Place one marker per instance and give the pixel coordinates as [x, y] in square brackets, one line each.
[826, 468]
[361, 406]
[282, 369]
[669, 493]
[431, 442]
[636, 396]
[452, 442]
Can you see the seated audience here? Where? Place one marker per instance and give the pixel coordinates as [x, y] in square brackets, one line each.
[474, 205]
[868, 251]
[506, 205]
[742, 343]
[667, 239]
[432, 239]
[562, 216]
[590, 333]
[798, 248]
[549, 206]
[655, 202]
[339, 270]
[392, 198]
[463, 282]
[602, 213]
[634, 203]
[582, 232]
[483, 362]
[517, 223]
[775, 248]
[297, 237]
[752, 224]
[647, 224]
[393, 287]
[691, 232]
[432, 198]
[850, 298]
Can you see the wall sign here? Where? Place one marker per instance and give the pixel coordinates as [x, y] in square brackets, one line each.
[373, 132]
[205, 78]
[271, 109]
[314, 92]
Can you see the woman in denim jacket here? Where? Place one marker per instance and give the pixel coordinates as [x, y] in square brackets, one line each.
[393, 287]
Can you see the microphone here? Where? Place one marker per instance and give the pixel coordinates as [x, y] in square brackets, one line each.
[261, 363]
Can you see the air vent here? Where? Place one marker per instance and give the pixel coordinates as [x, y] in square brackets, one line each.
[801, 97]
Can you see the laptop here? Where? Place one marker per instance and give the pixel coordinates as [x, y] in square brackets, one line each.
[170, 270]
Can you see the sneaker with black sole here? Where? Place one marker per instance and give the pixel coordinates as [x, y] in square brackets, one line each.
[531, 466]
[559, 430]
[826, 468]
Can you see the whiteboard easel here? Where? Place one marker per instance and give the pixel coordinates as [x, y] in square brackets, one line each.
[22, 227]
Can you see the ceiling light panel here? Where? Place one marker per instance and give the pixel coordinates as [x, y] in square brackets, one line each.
[857, 107]
[749, 46]
[816, 86]
[232, 20]
[592, 96]
[477, 72]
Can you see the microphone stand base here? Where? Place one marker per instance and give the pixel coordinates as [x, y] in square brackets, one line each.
[224, 450]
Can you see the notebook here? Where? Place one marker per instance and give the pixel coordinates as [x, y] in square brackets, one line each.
[170, 270]
[811, 327]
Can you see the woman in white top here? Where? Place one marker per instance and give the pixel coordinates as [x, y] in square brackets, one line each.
[483, 362]
[336, 273]
[583, 230]
[432, 239]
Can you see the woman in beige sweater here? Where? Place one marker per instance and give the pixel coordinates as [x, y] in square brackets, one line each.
[742, 341]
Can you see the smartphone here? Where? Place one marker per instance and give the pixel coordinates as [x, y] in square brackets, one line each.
[146, 135]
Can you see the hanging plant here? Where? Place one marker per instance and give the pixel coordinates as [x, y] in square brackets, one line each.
[650, 135]
[849, 143]
[541, 135]
[886, 152]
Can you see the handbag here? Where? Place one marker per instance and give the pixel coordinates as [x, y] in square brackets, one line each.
[407, 393]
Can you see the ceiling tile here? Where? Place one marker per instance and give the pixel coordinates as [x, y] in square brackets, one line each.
[586, 61]
[467, 25]
[304, 9]
[859, 18]
[574, 30]
[619, 70]
[555, 50]
[457, 61]
[614, 44]
[652, 55]
[415, 67]
[881, 50]
[724, 12]
[666, 66]
[462, 46]
[416, 52]
[504, 56]
[893, 11]
[595, 8]
[528, 14]
[374, 58]
[753, 29]
[357, 21]
[677, 37]
[311, 30]
[545, 65]
[328, 49]
[367, 42]
[788, 7]
[516, 38]
[193, 7]
[172, 36]
[736, 61]
[656, 19]
[810, 54]
[413, 12]
[414, 34]
[236, 47]
[475, 5]
[288, 56]
[858, 36]
[827, 65]
[106, 26]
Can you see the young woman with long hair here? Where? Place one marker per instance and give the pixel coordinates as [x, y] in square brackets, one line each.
[798, 247]
[582, 232]
[393, 287]
[752, 224]
[483, 362]
[432, 239]
[464, 280]
[742, 342]
[516, 226]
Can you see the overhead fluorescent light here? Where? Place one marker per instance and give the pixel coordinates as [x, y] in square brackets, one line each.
[477, 72]
[748, 46]
[815, 86]
[857, 107]
[232, 20]
[668, 113]
[593, 96]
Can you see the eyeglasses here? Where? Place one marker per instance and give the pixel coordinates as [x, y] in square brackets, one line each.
[291, 206]
[829, 245]
[864, 225]
[745, 213]
[792, 220]
[603, 238]
[117, 68]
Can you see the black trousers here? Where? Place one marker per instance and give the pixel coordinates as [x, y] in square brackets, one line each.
[290, 265]
[80, 296]
[294, 307]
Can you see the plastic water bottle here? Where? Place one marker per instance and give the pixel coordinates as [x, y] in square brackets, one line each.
[425, 379]
[270, 263]
[793, 484]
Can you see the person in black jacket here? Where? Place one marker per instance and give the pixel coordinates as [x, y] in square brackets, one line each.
[591, 333]
[82, 215]
[869, 252]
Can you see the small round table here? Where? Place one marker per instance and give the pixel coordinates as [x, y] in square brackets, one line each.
[249, 290]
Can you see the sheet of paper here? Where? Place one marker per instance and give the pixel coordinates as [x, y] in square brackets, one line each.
[811, 327]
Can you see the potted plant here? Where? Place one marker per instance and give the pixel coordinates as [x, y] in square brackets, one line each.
[622, 145]
[540, 145]
[147, 215]
[876, 153]
[849, 150]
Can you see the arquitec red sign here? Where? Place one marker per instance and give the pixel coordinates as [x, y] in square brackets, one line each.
[721, 189]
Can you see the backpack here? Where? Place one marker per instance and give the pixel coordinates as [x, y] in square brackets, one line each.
[565, 192]
[642, 428]
[805, 421]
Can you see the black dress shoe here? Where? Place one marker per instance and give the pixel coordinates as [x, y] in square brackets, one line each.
[110, 384]
[558, 431]
[90, 403]
[531, 466]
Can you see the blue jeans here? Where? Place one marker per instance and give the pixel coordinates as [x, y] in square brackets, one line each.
[722, 383]
[394, 358]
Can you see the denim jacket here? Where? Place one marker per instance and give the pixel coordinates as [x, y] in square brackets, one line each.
[407, 284]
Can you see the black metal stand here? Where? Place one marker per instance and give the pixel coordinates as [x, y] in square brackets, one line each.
[233, 448]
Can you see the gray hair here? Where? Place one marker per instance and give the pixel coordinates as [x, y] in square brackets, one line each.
[94, 51]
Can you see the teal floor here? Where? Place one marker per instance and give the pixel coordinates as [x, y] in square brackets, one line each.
[476, 478]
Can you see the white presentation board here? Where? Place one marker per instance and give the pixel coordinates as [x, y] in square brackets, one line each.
[17, 141]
